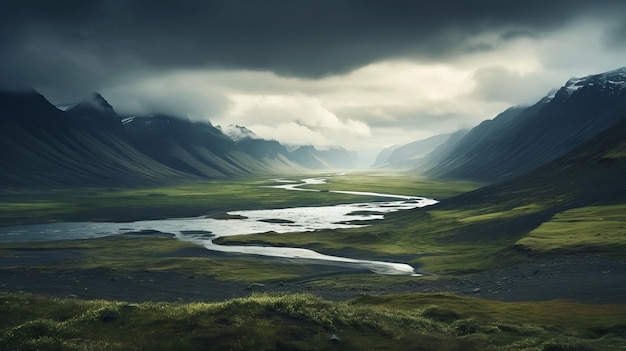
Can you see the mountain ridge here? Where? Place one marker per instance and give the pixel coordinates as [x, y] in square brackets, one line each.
[521, 139]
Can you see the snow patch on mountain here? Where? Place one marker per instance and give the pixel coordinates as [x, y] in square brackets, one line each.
[237, 132]
[613, 81]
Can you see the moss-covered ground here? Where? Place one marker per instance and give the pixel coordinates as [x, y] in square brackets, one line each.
[306, 322]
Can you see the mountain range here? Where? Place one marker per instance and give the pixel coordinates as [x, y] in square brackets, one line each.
[89, 144]
[522, 139]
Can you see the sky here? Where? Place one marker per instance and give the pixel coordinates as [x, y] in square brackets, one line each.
[361, 74]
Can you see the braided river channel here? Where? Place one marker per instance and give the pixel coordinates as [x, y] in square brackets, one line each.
[203, 230]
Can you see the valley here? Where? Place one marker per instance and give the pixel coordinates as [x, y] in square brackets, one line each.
[507, 236]
[493, 281]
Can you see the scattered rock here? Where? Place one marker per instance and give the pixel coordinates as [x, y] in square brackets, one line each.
[276, 220]
[129, 307]
[227, 216]
[150, 232]
[109, 316]
[334, 338]
[202, 233]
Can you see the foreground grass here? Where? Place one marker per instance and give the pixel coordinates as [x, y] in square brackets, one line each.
[306, 322]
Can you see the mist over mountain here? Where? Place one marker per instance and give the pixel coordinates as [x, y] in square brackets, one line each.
[97, 111]
[409, 155]
[89, 144]
[312, 158]
[237, 132]
[43, 147]
[522, 139]
[304, 156]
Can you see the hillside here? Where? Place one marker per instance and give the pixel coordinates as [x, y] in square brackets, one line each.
[43, 147]
[522, 139]
[195, 148]
[90, 145]
[409, 155]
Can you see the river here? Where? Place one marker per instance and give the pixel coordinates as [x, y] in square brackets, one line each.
[203, 230]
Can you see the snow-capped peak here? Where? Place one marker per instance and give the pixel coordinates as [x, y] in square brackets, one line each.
[612, 81]
[237, 132]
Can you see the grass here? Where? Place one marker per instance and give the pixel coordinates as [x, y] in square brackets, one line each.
[153, 254]
[306, 322]
[585, 228]
[397, 183]
[448, 239]
[209, 197]
[441, 241]
[472, 236]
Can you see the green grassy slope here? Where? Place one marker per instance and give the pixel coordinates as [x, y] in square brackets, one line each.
[305, 322]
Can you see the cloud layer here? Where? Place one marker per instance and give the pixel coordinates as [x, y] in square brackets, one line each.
[361, 73]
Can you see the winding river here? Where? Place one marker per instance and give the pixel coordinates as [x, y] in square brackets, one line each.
[203, 230]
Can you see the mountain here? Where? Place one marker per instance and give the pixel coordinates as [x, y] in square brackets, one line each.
[98, 112]
[522, 139]
[279, 156]
[384, 154]
[44, 147]
[409, 155]
[196, 148]
[592, 173]
[237, 132]
[312, 158]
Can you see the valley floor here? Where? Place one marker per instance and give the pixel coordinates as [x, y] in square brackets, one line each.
[582, 277]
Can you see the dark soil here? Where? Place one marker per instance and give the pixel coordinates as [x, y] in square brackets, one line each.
[583, 277]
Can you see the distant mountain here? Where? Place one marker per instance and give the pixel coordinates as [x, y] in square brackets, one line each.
[98, 112]
[522, 139]
[197, 148]
[312, 158]
[43, 147]
[409, 155]
[591, 173]
[384, 154]
[237, 132]
[277, 155]
[90, 145]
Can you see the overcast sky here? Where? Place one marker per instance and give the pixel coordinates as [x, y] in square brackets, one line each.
[361, 74]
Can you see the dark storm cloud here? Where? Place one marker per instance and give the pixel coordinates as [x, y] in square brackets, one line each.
[80, 44]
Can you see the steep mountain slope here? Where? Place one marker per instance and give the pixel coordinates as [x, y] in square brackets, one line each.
[237, 132]
[520, 140]
[269, 152]
[384, 154]
[278, 157]
[43, 147]
[592, 173]
[98, 113]
[192, 147]
[409, 155]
